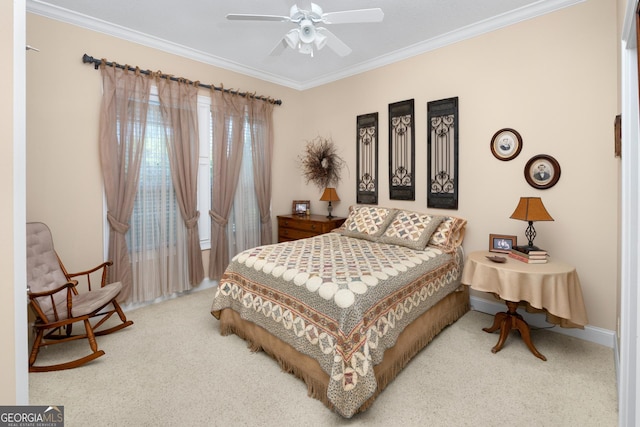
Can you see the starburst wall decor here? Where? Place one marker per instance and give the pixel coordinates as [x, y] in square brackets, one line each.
[321, 164]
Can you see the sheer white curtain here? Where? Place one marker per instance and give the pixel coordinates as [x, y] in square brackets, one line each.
[157, 236]
[243, 229]
[233, 183]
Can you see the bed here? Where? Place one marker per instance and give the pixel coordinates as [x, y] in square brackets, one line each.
[346, 311]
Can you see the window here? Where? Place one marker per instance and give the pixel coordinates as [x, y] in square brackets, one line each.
[243, 228]
[157, 235]
[244, 220]
[156, 215]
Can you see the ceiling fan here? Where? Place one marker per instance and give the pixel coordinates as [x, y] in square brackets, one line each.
[308, 36]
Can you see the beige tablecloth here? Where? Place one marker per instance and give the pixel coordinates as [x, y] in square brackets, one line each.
[553, 287]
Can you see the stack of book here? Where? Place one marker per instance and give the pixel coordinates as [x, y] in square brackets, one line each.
[529, 254]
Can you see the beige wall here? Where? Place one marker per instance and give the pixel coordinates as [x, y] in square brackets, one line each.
[7, 308]
[552, 78]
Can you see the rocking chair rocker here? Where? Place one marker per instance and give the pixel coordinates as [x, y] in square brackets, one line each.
[57, 303]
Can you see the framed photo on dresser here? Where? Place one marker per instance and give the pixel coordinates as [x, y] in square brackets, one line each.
[300, 207]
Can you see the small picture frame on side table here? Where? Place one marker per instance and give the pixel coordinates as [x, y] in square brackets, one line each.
[502, 243]
[300, 207]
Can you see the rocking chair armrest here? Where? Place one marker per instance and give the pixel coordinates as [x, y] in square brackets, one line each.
[96, 268]
[33, 295]
[87, 273]
[33, 298]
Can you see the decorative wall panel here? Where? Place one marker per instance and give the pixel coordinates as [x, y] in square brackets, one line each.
[402, 151]
[442, 153]
[367, 154]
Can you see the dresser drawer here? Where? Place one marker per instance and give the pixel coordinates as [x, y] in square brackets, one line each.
[293, 227]
[304, 225]
[294, 234]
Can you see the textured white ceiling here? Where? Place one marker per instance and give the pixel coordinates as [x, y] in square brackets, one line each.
[198, 29]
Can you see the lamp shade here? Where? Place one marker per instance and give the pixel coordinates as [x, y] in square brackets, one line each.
[531, 209]
[330, 195]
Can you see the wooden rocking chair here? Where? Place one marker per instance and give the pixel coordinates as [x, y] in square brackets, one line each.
[57, 303]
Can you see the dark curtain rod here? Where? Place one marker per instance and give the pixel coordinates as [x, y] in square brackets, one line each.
[91, 60]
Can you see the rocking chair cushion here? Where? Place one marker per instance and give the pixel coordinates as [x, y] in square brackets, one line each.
[43, 268]
[87, 302]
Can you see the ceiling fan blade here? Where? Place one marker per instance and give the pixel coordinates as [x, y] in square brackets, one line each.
[249, 17]
[304, 5]
[353, 16]
[279, 48]
[337, 45]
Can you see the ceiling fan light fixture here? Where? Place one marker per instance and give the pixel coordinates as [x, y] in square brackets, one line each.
[293, 38]
[307, 37]
[307, 31]
[320, 40]
[306, 48]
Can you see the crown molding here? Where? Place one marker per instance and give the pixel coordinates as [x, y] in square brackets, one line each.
[534, 10]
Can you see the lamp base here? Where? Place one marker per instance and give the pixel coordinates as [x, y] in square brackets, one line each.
[530, 233]
[330, 208]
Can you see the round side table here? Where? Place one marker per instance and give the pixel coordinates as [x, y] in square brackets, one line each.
[553, 287]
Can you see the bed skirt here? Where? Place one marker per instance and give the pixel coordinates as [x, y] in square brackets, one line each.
[413, 339]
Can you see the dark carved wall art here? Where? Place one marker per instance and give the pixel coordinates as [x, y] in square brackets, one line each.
[401, 151]
[367, 153]
[442, 153]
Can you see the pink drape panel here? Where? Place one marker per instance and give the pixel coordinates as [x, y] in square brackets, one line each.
[123, 121]
[179, 107]
[228, 112]
[260, 122]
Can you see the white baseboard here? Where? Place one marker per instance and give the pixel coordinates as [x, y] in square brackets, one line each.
[589, 333]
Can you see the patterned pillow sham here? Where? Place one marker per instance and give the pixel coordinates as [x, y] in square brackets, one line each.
[366, 222]
[449, 233]
[411, 229]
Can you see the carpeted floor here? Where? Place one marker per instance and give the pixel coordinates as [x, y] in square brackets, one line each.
[172, 367]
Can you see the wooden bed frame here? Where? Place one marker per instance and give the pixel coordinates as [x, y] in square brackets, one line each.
[413, 339]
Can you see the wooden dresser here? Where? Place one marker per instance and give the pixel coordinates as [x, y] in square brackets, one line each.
[294, 227]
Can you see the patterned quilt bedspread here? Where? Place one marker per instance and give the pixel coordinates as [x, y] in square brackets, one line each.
[338, 299]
